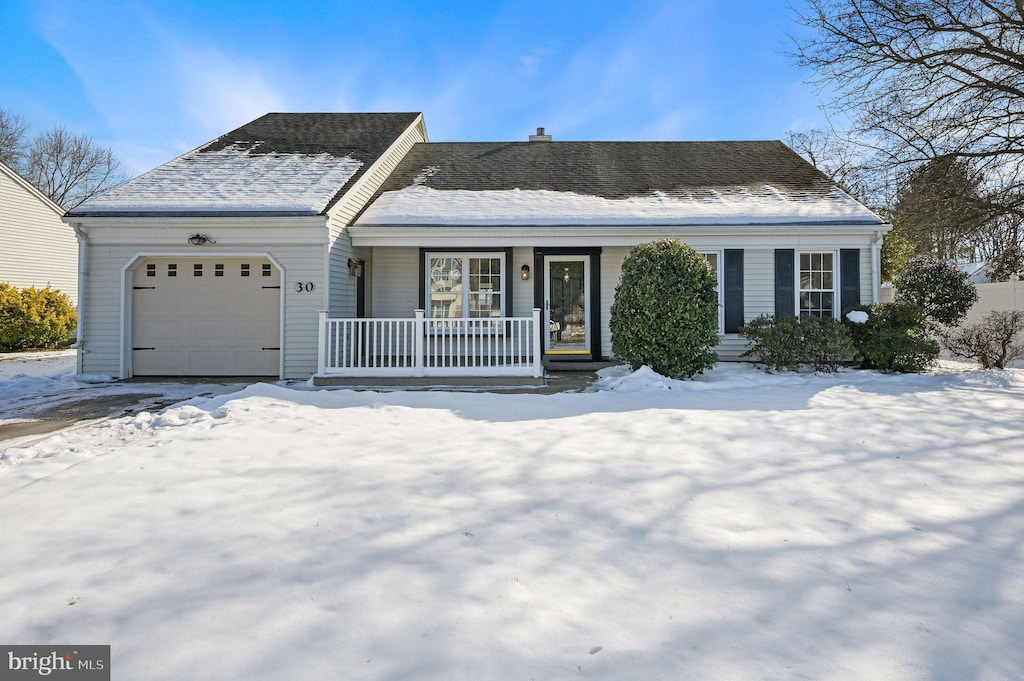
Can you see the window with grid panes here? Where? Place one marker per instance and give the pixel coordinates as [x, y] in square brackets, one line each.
[464, 285]
[817, 284]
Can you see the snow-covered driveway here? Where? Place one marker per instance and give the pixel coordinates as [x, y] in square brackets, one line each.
[742, 526]
[40, 393]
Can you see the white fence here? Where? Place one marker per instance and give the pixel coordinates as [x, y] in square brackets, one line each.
[1007, 295]
[414, 347]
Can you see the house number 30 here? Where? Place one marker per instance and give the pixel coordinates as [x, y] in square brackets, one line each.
[304, 286]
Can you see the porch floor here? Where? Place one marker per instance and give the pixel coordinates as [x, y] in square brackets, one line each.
[558, 381]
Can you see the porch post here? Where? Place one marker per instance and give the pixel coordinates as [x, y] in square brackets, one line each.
[321, 360]
[538, 369]
[419, 329]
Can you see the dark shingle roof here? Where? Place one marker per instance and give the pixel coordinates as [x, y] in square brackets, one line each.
[612, 170]
[278, 164]
[362, 136]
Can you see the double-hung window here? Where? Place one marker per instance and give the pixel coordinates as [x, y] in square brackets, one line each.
[817, 278]
[463, 286]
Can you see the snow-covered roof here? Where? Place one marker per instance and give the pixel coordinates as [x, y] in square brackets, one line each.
[977, 271]
[232, 180]
[610, 183]
[419, 205]
[279, 164]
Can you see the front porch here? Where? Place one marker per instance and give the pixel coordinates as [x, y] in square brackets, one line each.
[422, 349]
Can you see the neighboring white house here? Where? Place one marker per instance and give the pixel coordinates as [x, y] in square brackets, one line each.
[441, 259]
[36, 248]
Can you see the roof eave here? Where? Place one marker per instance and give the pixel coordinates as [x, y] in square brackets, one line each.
[433, 234]
[72, 215]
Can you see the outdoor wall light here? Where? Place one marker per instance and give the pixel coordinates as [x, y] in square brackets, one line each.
[526, 272]
[355, 268]
[200, 239]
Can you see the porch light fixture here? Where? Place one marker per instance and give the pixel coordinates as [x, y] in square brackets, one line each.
[526, 272]
[355, 268]
[200, 239]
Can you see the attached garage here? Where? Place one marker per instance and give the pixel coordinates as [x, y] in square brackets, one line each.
[206, 317]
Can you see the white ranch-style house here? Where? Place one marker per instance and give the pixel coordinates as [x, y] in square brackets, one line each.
[347, 246]
[36, 248]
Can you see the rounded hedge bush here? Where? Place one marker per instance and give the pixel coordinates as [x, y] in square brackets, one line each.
[32, 318]
[941, 289]
[665, 312]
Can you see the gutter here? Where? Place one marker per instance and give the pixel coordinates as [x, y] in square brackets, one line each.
[83, 242]
[876, 266]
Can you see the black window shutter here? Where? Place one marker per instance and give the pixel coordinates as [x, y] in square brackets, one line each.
[849, 282]
[732, 294]
[785, 283]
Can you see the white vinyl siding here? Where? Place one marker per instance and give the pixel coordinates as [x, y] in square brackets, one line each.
[342, 285]
[522, 291]
[395, 282]
[395, 285]
[36, 248]
[867, 286]
[108, 255]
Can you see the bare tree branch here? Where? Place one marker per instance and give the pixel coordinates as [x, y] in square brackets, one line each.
[935, 92]
[12, 136]
[929, 78]
[70, 169]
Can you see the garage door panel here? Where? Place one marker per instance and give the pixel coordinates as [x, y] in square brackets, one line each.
[257, 363]
[160, 302]
[159, 362]
[211, 362]
[216, 303]
[161, 331]
[262, 333]
[216, 324]
[212, 333]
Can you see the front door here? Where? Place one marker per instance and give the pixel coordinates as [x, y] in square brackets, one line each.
[567, 305]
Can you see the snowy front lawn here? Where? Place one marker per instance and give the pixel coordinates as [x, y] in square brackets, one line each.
[741, 526]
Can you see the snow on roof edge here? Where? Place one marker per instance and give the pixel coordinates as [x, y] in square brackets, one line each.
[420, 205]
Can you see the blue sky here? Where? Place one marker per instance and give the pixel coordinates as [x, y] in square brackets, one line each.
[155, 79]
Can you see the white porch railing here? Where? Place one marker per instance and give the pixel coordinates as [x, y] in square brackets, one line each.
[420, 346]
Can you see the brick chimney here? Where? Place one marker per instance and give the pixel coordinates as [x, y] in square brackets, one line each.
[540, 136]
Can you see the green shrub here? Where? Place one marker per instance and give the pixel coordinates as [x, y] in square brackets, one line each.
[941, 289]
[822, 342]
[33, 318]
[777, 345]
[665, 312]
[895, 338]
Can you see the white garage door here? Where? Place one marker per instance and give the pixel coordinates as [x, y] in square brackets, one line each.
[206, 317]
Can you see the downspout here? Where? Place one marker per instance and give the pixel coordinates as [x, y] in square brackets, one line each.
[83, 243]
[876, 266]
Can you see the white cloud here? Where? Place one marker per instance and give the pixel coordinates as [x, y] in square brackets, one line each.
[221, 93]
